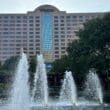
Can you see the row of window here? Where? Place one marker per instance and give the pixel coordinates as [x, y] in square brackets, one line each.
[55, 17]
[19, 17]
[14, 24]
[75, 17]
[77, 20]
[19, 32]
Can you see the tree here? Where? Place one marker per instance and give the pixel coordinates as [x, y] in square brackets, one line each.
[7, 74]
[32, 64]
[60, 65]
[10, 64]
[92, 50]
[32, 68]
[94, 45]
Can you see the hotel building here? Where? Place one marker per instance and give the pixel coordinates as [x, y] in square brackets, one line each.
[45, 30]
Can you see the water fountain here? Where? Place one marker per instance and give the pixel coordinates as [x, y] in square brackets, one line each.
[40, 89]
[20, 91]
[20, 97]
[93, 89]
[68, 91]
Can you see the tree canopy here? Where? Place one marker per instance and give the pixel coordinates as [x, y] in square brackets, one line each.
[10, 64]
[91, 50]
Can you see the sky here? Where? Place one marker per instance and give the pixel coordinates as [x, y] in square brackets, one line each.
[22, 6]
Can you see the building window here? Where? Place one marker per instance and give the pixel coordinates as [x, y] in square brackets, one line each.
[31, 21]
[37, 40]
[31, 17]
[55, 17]
[18, 17]
[55, 24]
[31, 40]
[37, 25]
[74, 16]
[68, 17]
[24, 17]
[56, 56]
[62, 28]
[62, 48]
[37, 21]
[56, 48]
[61, 24]
[24, 21]
[24, 25]
[62, 17]
[56, 32]
[31, 29]
[56, 36]
[30, 24]
[31, 33]
[55, 28]
[37, 17]
[61, 21]
[56, 52]
[62, 32]
[62, 36]
[56, 21]
[37, 36]
[5, 17]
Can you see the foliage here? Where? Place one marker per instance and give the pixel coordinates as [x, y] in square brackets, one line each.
[32, 69]
[32, 64]
[61, 65]
[6, 75]
[10, 64]
[92, 50]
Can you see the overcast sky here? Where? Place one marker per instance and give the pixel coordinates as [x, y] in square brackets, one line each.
[22, 6]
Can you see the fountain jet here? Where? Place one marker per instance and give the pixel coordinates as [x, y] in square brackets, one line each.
[93, 89]
[68, 91]
[20, 91]
[40, 90]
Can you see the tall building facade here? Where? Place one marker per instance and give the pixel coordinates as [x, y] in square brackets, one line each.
[46, 30]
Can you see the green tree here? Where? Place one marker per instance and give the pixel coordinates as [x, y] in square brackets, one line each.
[10, 64]
[94, 45]
[32, 68]
[7, 74]
[92, 50]
[32, 64]
[61, 65]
